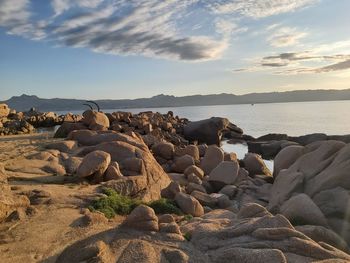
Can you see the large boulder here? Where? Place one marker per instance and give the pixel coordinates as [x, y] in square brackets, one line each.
[4, 110]
[213, 157]
[225, 173]
[142, 218]
[94, 164]
[95, 120]
[209, 131]
[321, 172]
[301, 210]
[188, 204]
[68, 127]
[286, 157]
[182, 163]
[217, 237]
[255, 165]
[152, 179]
[164, 150]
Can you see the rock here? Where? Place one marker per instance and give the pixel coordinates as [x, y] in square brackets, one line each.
[208, 131]
[171, 191]
[218, 237]
[68, 127]
[194, 170]
[164, 149]
[191, 150]
[205, 199]
[192, 178]
[170, 228]
[202, 148]
[212, 158]
[336, 172]
[189, 205]
[322, 234]
[182, 163]
[225, 173]
[309, 138]
[283, 188]
[286, 157]
[229, 190]
[230, 157]
[4, 110]
[94, 218]
[95, 163]
[334, 202]
[142, 218]
[223, 201]
[113, 172]
[72, 164]
[133, 165]
[252, 210]
[8, 201]
[64, 146]
[166, 218]
[195, 187]
[95, 120]
[254, 164]
[178, 178]
[249, 256]
[301, 210]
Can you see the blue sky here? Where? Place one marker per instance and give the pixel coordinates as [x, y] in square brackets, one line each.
[96, 49]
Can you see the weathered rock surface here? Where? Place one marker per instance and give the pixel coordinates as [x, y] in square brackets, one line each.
[217, 237]
[316, 180]
[254, 164]
[95, 120]
[142, 218]
[182, 163]
[94, 164]
[209, 131]
[8, 201]
[189, 205]
[225, 172]
[212, 158]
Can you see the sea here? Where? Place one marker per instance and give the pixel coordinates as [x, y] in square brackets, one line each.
[294, 118]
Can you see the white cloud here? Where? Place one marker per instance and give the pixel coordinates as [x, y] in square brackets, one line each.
[285, 36]
[259, 8]
[60, 6]
[13, 12]
[152, 28]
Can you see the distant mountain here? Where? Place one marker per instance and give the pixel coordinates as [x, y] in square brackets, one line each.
[25, 102]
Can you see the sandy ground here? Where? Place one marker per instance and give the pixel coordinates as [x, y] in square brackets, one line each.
[56, 218]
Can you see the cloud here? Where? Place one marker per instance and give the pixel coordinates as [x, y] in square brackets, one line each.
[292, 63]
[285, 36]
[60, 6]
[259, 8]
[152, 28]
[13, 12]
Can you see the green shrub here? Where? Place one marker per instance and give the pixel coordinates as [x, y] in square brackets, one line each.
[187, 236]
[115, 203]
[187, 218]
[165, 206]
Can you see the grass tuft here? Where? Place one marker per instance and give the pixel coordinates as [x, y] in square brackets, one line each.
[115, 203]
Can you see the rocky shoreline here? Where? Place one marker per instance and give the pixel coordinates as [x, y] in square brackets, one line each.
[231, 209]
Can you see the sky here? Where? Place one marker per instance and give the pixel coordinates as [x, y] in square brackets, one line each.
[114, 49]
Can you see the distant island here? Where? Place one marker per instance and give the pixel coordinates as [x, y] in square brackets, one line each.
[25, 102]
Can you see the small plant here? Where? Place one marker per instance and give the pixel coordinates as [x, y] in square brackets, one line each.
[187, 218]
[115, 203]
[187, 236]
[164, 206]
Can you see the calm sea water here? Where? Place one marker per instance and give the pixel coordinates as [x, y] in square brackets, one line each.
[296, 118]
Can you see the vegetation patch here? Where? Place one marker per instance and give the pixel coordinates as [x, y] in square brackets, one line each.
[115, 203]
